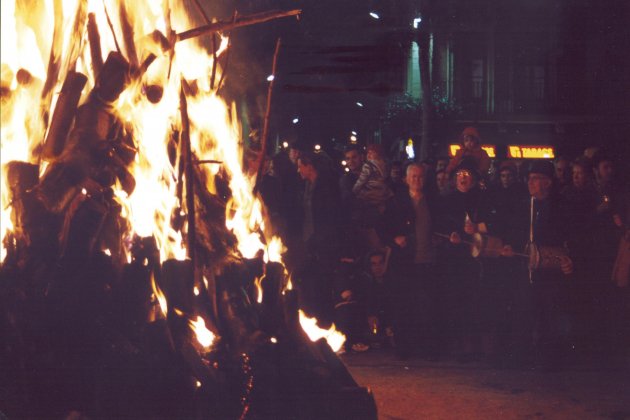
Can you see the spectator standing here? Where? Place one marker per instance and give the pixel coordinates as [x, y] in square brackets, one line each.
[499, 286]
[408, 231]
[372, 192]
[544, 222]
[354, 162]
[459, 217]
[562, 173]
[471, 148]
[320, 236]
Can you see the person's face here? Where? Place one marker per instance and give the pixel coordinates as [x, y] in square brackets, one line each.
[377, 265]
[354, 160]
[305, 171]
[562, 170]
[415, 178]
[441, 180]
[294, 154]
[507, 178]
[579, 176]
[539, 186]
[372, 155]
[469, 142]
[441, 165]
[464, 181]
[605, 171]
[395, 173]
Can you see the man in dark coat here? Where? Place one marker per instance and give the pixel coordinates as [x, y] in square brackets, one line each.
[543, 222]
[408, 230]
[319, 245]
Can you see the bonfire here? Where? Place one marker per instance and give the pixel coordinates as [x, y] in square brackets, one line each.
[140, 276]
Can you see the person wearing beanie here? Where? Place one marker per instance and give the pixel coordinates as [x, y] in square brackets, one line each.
[471, 147]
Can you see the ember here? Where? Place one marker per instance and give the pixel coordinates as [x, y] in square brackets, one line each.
[128, 281]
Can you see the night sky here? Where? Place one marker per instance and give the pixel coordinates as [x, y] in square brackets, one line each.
[336, 55]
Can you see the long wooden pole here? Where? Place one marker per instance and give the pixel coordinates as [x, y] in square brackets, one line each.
[188, 172]
[237, 23]
[263, 140]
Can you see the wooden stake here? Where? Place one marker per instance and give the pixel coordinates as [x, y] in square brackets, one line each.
[95, 45]
[263, 140]
[214, 44]
[227, 57]
[128, 35]
[188, 171]
[111, 28]
[240, 22]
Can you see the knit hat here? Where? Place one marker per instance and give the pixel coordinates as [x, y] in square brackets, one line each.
[470, 131]
[542, 167]
[507, 165]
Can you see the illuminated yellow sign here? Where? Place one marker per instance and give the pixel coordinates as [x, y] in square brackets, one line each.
[489, 148]
[531, 152]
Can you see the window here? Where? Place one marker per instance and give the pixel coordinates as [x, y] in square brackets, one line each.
[477, 78]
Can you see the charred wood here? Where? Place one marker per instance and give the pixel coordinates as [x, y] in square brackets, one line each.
[63, 115]
[128, 35]
[94, 39]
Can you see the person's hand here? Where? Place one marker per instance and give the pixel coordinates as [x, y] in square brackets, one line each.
[346, 294]
[507, 251]
[603, 207]
[401, 241]
[455, 238]
[566, 265]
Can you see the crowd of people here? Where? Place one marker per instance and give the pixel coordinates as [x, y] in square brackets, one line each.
[512, 263]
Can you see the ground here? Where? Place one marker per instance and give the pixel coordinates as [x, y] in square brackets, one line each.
[416, 389]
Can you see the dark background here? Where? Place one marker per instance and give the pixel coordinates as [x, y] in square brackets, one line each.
[549, 71]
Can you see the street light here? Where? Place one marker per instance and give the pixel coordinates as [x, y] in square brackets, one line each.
[416, 22]
[296, 120]
[360, 105]
[375, 15]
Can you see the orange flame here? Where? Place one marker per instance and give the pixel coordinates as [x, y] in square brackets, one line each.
[205, 337]
[259, 289]
[334, 338]
[28, 35]
[159, 295]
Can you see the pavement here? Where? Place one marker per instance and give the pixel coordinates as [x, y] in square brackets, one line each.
[419, 389]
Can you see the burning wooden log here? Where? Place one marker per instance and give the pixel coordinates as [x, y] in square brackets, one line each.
[24, 77]
[128, 35]
[96, 147]
[63, 115]
[94, 39]
[114, 77]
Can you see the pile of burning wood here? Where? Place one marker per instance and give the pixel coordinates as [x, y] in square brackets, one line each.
[100, 317]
